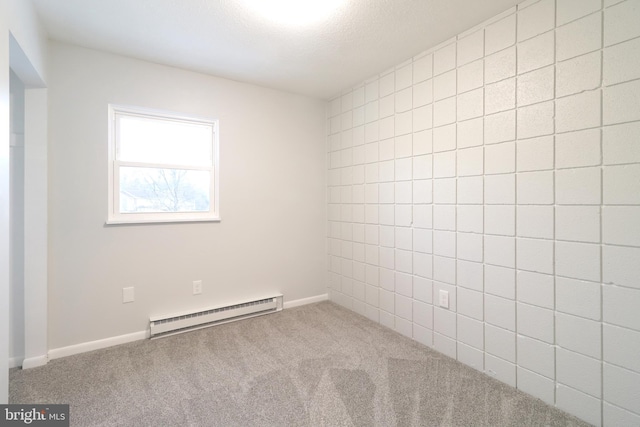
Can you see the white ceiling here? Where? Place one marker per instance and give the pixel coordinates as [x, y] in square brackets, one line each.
[223, 37]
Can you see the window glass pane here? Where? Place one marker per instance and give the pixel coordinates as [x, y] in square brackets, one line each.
[164, 141]
[163, 190]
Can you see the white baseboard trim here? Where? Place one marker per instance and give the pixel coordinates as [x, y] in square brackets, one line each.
[305, 301]
[56, 353]
[34, 362]
[15, 362]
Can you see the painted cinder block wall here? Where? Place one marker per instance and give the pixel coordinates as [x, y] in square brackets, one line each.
[503, 167]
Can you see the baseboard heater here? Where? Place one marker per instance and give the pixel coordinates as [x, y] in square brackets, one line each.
[163, 326]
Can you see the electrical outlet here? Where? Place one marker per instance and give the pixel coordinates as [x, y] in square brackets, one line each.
[444, 299]
[197, 287]
[128, 295]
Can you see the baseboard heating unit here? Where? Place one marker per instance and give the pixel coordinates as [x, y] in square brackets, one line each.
[162, 326]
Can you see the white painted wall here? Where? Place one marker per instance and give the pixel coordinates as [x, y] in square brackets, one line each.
[16, 256]
[36, 202]
[4, 203]
[24, 25]
[503, 167]
[18, 18]
[272, 184]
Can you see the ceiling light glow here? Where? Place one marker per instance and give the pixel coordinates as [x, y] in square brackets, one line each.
[295, 13]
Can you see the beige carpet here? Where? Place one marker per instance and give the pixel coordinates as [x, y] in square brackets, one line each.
[316, 365]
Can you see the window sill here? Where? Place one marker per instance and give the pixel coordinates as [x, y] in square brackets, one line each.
[158, 221]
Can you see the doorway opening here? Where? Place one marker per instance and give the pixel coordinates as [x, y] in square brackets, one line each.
[28, 200]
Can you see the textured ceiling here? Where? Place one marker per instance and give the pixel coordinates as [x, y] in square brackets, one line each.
[224, 38]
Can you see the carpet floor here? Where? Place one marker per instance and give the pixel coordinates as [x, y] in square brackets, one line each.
[315, 365]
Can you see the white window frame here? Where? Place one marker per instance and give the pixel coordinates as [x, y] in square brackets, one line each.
[114, 215]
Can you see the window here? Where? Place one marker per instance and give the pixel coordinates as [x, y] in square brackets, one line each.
[163, 167]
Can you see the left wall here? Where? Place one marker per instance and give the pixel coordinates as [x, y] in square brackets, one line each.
[18, 19]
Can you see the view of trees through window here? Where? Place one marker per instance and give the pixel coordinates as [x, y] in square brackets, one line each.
[163, 190]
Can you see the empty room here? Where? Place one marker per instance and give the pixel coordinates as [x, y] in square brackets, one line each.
[320, 212]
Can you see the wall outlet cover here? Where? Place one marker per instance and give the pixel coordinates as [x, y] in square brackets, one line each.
[197, 287]
[444, 299]
[128, 295]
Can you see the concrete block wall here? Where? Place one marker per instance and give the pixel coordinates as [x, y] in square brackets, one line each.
[503, 168]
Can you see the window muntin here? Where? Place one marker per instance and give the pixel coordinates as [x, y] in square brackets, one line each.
[162, 167]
